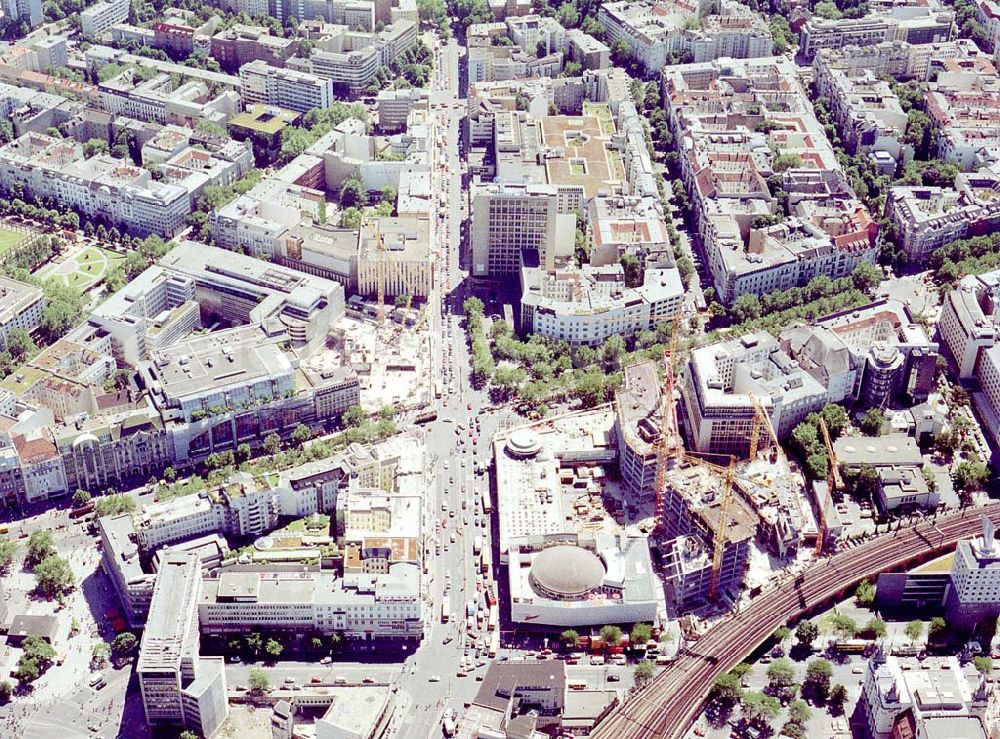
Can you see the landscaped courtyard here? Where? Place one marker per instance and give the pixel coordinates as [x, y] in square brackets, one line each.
[83, 269]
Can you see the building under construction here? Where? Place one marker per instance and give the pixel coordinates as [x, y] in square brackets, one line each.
[778, 496]
[638, 423]
[690, 520]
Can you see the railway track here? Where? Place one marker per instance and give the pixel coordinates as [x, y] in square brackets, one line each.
[667, 707]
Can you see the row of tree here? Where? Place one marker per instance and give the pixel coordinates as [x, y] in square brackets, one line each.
[316, 123]
[971, 256]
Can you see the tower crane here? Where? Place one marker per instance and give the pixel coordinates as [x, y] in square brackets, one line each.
[833, 482]
[719, 540]
[384, 263]
[670, 435]
[381, 257]
[761, 421]
[728, 473]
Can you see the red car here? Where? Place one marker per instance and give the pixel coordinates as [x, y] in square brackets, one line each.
[468, 406]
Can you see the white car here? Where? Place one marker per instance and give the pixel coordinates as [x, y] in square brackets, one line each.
[434, 679]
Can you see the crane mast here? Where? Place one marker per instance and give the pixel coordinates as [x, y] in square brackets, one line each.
[670, 435]
[833, 482]
[719, 539]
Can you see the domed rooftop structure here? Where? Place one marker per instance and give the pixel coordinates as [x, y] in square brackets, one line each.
[523, 443]
[566, 572]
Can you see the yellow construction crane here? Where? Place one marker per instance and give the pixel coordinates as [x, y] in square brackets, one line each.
[719, 542]
[761, 421]
[381, 257]
[383, 264]
[728, 473]
[670, 434]
[833, 482]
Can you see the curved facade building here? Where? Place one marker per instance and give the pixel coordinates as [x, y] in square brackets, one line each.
[582, 580]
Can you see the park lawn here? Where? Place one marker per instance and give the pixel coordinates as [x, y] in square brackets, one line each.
[92, 266]
[78, 281]
[9, 239]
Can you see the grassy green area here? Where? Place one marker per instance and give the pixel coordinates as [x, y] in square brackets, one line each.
[939, 565]
[92, 265]
[187, 486]
[308, 524]
[602, 112]
[22, 380]
[615, 166]
[9, 239]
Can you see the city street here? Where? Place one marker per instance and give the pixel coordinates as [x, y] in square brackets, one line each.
[61, 702]
[452, 459]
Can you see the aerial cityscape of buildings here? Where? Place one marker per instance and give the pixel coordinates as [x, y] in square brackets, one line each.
[397, 369]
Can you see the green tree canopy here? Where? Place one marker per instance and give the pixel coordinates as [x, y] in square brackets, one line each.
[799, 712]
[273, 648]
[643, 672]
[53, 576]
[611, 636]
[844, 626]
[272, 443]
[817, 682]
[759, 708]
[41, 544]
[641, 633]
[726, 690]
[8, 549]
[871, 423]
[781, 673]
[864, 594]
[915, 630]
[124, 645]
[259, 683]
[806, 632]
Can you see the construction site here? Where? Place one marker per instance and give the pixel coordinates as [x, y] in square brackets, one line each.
[722, 526]
[386, 339]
